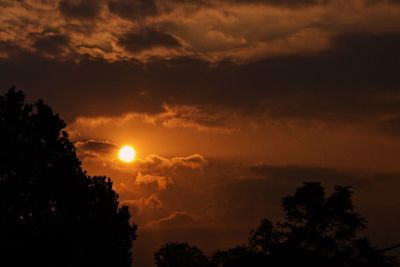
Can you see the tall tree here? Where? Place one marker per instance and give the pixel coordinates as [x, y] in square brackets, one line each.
[51, 212]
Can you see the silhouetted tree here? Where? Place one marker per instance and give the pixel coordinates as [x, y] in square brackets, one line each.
[51, 212]
[317, 231]
[180, 255]
[240, 256]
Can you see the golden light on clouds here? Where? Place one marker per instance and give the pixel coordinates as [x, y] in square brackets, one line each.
[127, 153]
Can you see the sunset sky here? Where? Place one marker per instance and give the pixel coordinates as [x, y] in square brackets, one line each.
[229, 104]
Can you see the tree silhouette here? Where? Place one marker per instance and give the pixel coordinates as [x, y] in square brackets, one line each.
[317, 231]
[51, 212]
[180, 255]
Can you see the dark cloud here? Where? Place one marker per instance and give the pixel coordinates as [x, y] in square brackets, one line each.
[278, 3]
[382, 1]
[92, 81]
[94, 148]
[354, 80]
[81, 9]
[9, 49]
[390, 126]
[283, 3]
[96, 145]
[51, 44]
[202, 118]
[297, 174]
[5, 4]
[349, 80]
[133, 9]
[148, 38]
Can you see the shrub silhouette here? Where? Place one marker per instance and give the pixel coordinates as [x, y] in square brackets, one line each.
[180, 255]
[51, 212]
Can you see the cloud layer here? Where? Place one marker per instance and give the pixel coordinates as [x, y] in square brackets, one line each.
[117, 30]
[203, 64]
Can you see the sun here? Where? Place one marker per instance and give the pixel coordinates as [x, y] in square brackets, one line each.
[127, 154]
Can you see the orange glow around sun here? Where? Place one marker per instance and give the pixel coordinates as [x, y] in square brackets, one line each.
[127, 154]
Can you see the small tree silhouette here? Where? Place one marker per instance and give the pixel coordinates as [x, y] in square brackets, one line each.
[180, 255]
[51, 212]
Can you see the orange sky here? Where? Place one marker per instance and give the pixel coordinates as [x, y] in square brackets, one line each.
[230, 104]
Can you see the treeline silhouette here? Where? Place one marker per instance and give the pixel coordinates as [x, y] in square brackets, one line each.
[317, 231]
[53, 214]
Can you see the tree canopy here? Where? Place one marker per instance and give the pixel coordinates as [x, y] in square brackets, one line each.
[51, 212]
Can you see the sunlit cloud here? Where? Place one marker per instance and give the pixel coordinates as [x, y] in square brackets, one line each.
[150, 202]
[160, 170]
[162, 181]
[195, 117]
[214, 30]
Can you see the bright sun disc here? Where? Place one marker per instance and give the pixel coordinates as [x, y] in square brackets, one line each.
[127, 153]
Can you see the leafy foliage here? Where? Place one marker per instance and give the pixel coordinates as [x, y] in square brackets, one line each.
[51, 212]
